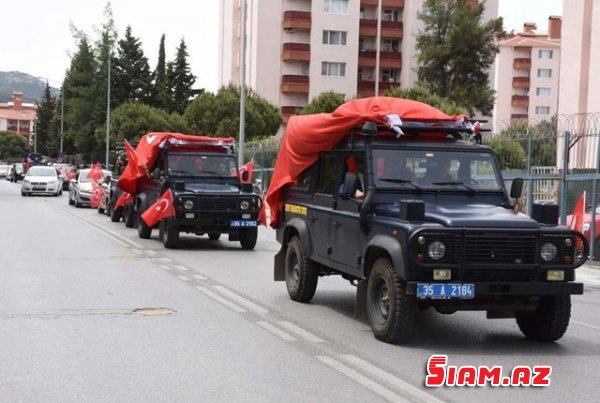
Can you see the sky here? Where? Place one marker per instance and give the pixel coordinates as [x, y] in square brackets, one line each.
[37, 39]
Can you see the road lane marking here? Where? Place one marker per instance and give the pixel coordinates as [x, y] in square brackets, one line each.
[390, 379]
[164, 259]
[199, 277]
[276, 331]
[221, 300]
[300, 332]
[151, 252]
[184, 278]
[361, 379]
[240, 300]
[586, 325]
[164, 267]
[181, 267]
[137, 251]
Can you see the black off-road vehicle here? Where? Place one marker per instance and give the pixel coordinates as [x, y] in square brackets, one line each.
[417, 222]
[208, 196]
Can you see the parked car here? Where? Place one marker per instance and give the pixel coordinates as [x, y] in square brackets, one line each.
[81, 188]
[4, 170]
[62, 170]
[41, 180]
[17, 172]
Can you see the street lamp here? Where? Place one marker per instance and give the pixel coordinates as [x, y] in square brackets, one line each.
[108, 110]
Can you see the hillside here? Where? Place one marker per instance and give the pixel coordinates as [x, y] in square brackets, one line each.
[31, 87]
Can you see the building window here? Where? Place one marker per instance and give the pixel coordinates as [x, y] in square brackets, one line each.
[390, 76]
[334, 37]
[304, 69]
[545, 73]
[544, 91]
[336, 6]
[391, 15]
[332, 69]
[545, 54]
[12, 125]
[542, 110]
[390, 45]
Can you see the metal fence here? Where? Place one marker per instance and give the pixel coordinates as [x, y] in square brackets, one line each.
[557, 157]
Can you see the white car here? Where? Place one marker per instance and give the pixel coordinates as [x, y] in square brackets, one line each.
[4, 171]
[41, 180]
[81, 188]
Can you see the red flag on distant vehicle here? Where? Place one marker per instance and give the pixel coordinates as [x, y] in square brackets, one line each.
[162, 208]
[97, 194]
[249, 167]
[132, 171]
[578, 215]
[124, 200]
[96, 172]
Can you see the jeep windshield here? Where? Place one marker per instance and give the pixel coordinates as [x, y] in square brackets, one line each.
[440, 170]
[202, 166]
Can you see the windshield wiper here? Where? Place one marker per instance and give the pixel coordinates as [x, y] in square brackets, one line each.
[469, 188]
[397, 180]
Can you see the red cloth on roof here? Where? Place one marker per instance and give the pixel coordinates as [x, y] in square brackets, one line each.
[306, 136]
[148, 150]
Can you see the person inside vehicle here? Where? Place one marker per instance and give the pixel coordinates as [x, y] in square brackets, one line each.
[354, 165]
[438, 170]
[395, 168]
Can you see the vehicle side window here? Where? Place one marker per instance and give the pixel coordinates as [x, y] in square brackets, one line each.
[305, 179]
[328, 175]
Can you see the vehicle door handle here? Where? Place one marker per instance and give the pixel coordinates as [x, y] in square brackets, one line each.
[337, 224]
[312, 218]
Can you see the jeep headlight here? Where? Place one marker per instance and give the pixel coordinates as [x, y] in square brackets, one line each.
[436, 250]
[548, 252]
[244, 204]
[188, 204]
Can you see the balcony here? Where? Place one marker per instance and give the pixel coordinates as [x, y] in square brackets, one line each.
[389, 29]
[287, 111]
[520, 101]
[387, 60]
[297, 20]
[519, 116]
[299, 52]
[522, 63]
[520, 82]
[367, 88]
[385, 3]
[294, 84]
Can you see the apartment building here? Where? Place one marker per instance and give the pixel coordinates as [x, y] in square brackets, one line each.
[17, 116]
[297, 49]
[527, 74]
[580, 79]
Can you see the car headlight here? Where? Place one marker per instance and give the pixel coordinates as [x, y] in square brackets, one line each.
[188, 204]
[586, 226]
[26, 181]
[548, 252]
[436, 250]
[244, 204]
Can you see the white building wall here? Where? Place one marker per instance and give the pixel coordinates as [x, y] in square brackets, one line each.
[542, 82]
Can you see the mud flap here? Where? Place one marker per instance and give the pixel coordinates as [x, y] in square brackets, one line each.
[360, 306]
[279, 265]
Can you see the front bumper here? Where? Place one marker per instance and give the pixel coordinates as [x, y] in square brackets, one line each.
[213, 221]
[531, 289]
[41, 189]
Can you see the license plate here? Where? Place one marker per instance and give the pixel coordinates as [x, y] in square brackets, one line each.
[39, 188]
[242, 223]
[445, 291]
[189, 215]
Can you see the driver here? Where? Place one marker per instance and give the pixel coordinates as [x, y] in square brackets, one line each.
[438, 170]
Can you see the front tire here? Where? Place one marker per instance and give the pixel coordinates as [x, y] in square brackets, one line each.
[71, 201]
[116, 214]
[169, 234]
[549, 321]
[214, 236]
[248, 237]
[390, 311]
[128, 217]
[301, 275]
[144, 232]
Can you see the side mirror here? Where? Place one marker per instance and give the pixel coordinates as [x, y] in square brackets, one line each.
[156, 173]
[349, 184]
[245, 176]
[516, 189]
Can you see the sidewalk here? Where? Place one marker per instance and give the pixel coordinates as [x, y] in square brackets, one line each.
[589, 274]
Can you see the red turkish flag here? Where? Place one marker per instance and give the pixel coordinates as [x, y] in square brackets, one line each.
[124, 200]
[132, 171]
[249, 167]
[162, 208]
[97, 195]
[96, 172]
[262, 214]
[578, 214]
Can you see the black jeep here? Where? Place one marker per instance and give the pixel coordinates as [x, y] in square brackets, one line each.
[418, 222]
[208, 197]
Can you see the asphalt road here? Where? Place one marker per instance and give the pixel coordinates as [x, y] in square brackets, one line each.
[90, 312]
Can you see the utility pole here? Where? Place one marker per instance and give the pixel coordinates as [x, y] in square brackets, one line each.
[35, 135]
[378, 47]
[62, 113]
[242, 86]
[108, 112]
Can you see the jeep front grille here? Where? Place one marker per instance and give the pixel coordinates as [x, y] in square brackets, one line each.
[500, 248]
[218, 204]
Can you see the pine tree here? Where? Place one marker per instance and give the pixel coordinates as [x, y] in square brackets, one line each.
[161, 95]
[45, 112]
[456, 50]
[181, 80]
[132, 77]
